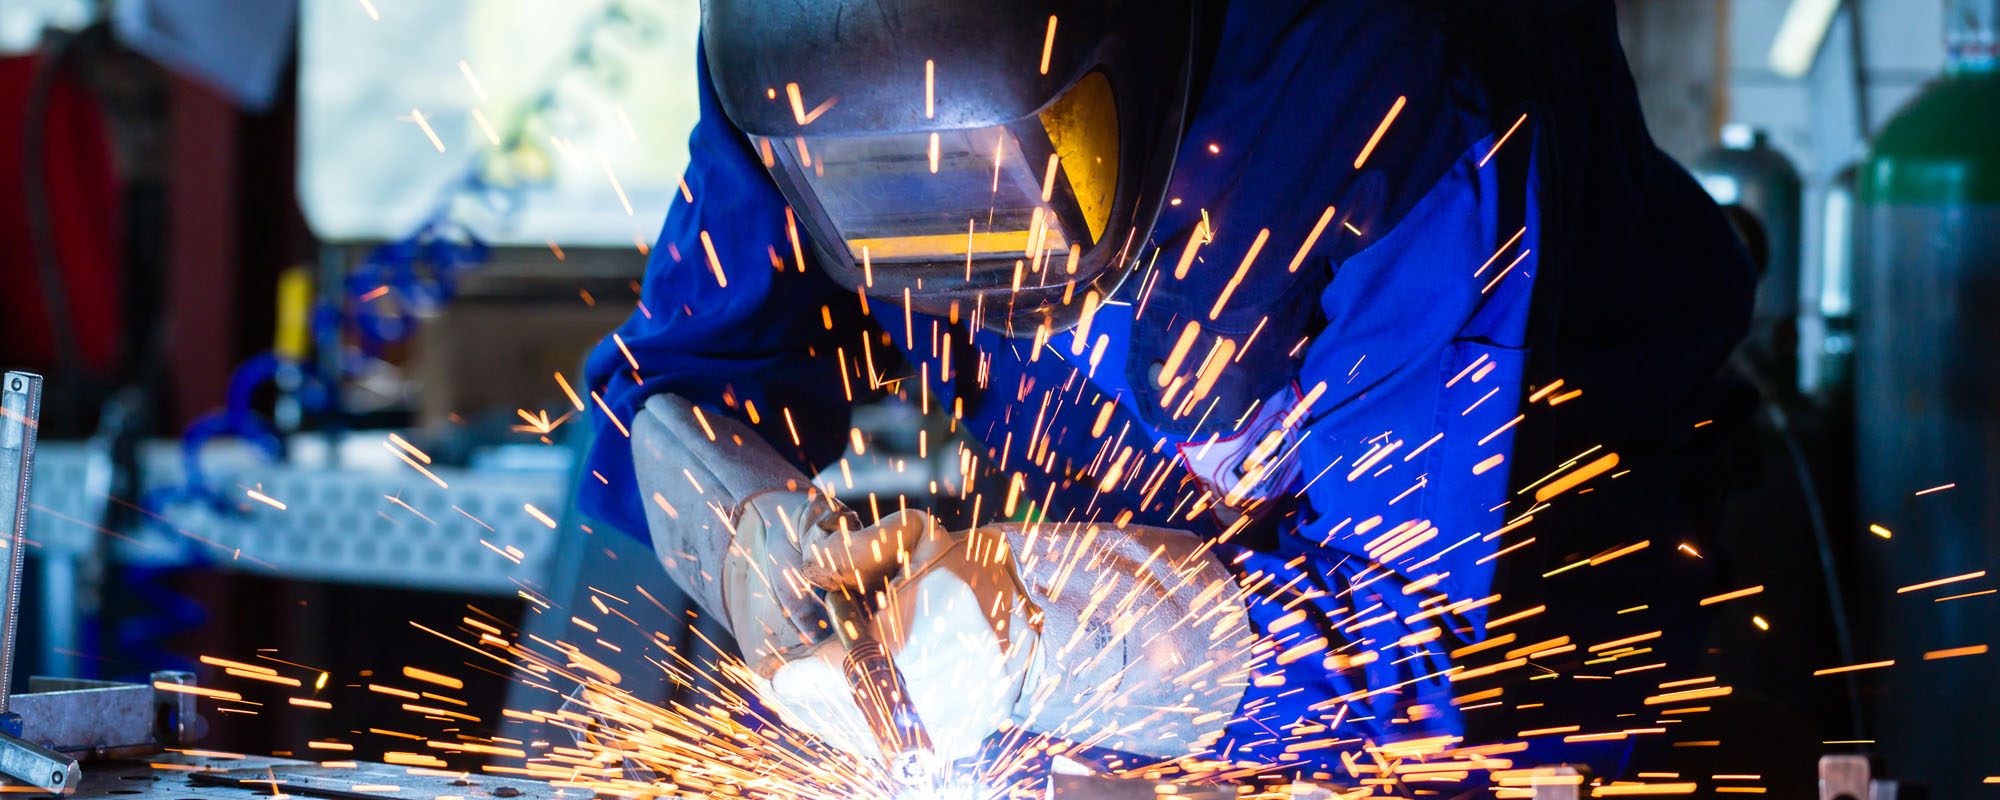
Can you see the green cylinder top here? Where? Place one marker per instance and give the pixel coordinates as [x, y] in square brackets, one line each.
[1941, 149]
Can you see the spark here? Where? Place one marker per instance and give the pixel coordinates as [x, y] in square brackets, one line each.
[409, 448]
[1383, 128]
[1496, 257]
[714, 262]
[798, 102]
[569, 392]
[1728, 596]
[418, 117]
[615, 185]
[486, 127]
[369, 7]
[1242, 269]
[265, 499]
[599, 400]
[1917, 587]
[1955, 652]
[1854, 667]
[1936, 489]
[1879, 531]
[227, 664]
[414, 465]
[1049, 44]
[470, 80]
[930, 101]
[1570, 481]
[198, 691]
[1503, 140]
[428, 676]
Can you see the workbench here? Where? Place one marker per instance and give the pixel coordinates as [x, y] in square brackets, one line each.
[202, 775]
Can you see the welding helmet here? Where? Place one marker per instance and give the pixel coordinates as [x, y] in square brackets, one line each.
[999, 161]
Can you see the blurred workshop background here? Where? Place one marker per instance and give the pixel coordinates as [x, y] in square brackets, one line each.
[311, 283]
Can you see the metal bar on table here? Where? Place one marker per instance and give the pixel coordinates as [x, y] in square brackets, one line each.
[20, 417]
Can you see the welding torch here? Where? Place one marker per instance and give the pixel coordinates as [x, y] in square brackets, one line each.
[879, 690]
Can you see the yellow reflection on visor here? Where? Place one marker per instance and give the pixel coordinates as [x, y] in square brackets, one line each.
[1083, 128]
[993, 243]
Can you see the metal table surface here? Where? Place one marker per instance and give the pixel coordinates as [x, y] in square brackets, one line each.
[177, 776]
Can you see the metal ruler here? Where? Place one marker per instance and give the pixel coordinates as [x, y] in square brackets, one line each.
[20, 419]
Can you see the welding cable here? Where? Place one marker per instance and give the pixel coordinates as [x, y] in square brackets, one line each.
[1822, 537]
[66, 382]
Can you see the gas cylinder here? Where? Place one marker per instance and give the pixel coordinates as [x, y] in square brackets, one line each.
[1745, 171]
[1927, 391]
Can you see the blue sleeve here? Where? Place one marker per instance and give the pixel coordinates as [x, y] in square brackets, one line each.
[1411, 392]
[746, 328]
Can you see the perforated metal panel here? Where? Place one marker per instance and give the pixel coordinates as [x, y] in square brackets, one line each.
[337, 524]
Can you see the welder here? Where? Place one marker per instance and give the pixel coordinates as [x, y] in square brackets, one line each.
[1276, 320]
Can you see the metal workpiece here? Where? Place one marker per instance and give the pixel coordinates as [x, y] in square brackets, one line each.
[38, 766]
[90, 718]
[177, 720]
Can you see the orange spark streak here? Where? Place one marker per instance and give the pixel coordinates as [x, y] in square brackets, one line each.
[1503, 140]
[714, 263]
[573, 399]
[1854, 667]
[1727, 596]
[1311, 238]
[1242, 269]
[1379, 130]
[607, 413]
[1049, 44]
[798, 103]
[1565, 483]
[428, 676]
[1496, 257]
[1970, 576]
[198, 691]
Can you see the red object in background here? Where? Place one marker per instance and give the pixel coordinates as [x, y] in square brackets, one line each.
[86, 225]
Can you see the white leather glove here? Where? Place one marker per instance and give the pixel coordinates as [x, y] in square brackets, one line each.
[726, 514]
[1131, 639]
[952, 615]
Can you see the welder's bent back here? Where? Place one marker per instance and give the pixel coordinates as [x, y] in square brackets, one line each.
[1400, 272]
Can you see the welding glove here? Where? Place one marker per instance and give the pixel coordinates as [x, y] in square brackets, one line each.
[951, 613]
[726, 514]
[1133, 639]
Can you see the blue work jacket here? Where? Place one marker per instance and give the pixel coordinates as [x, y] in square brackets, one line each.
[1486, 235]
